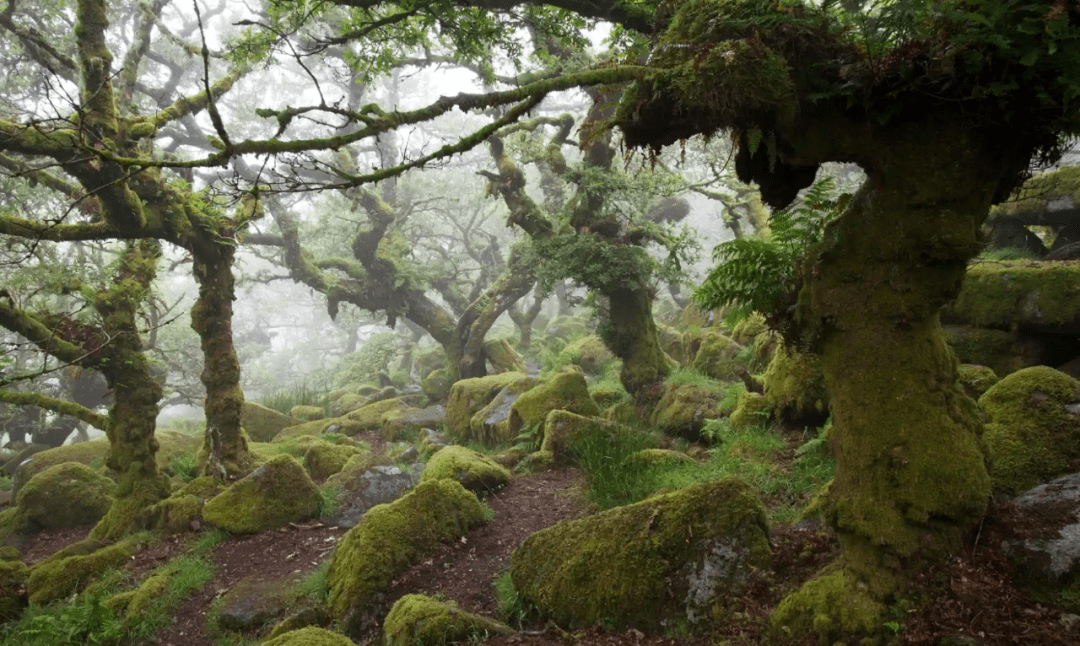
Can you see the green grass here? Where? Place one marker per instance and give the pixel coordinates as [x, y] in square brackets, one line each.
[298, 395]
[313, 589]
[510, 607]
[751, 454]
[331, 496]
[189, 573]
[1008, 253]
[185, 466]
[210, 539]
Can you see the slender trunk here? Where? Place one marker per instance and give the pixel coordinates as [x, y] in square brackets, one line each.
[629, 331]
[225, 447]
[132, 417]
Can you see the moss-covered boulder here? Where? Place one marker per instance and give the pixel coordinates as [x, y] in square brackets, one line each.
[469, 396]
[370, 417]
[65, 495]
[753, 409]
[672, 342]
[1002, 351]
[134, 603]
[609, 393]
[491, 424]
[307, 413]
[1042, 296]
[588, 353]
[334, 425]
[668, 561]
[349, 474]
[565, 390]
[749, 328]
[650, 458]
[795, 388]
[409, 420]
[683, 409]
[716, 356]
[13, 576]
[170, 445]
[262, 423]
[503, 357]
[388, 539]
[345, 403]
[416, 620]
[976, 380]
[476, 472]
[324, 459]
[177, 513]
[275, 494]
[74, 567]
[563, 431]
[562, 330]
[1033, 429]
[309, 636]
[437, 385]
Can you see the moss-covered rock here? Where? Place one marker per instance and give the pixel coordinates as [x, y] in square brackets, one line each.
[324, 459]
[563, 430]
[73, 568]
[1042, 296]
[609, 393]
[476, 472]
[672, 342]
[388, 539]
[562, 330]
[749, 328]
[1002, 351]
[831, 605]
[437, 385]
[535, 462]
[336, 425]
[416, 620]
[469, 396]
[1033, 430]
[588, 353]
[65, 495]
[669, 560]
[683, 409]
[170, 445]
[502, 356]
[716, 356]
[13, 576]
[976, 380]
[491, 424]
[275, 494]
[565, 390]
[752, 410]
[307, 413]
[795, 388]
[649, 458]
[309, 636]
[175, 514]
[345, 403]
[262, 423]
[409, 420]
[350, 473]
[370, 417]
[147, 594]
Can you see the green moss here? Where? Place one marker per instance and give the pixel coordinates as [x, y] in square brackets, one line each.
[672, 342]
[391, 537]
[469, 396]
[13, 576]
[262, 423]
[65, 495]
[588, 353]
[749, 328]
[437, 385]
[323, 459]
[353, 469]
[976, 380]
[309, 636]
[536, 462]
[1023, 293]
[1031, 435]
[416, 620]
[562, 429]
[716, 356]
[795, 387]
[203, 487]
[148, 593]
[371, 417]
[834, 604]
[648, 458]
[276, 493]
[683, 408]
[502, 356]
[565, 390]
[476, 472]
[65, 573]
[307, 413]
[344, 425]
[753, 409]
[175, 514]
[670, 558]
[1001, 351]
[344, 402]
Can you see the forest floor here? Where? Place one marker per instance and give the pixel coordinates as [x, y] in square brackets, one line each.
[971, 596]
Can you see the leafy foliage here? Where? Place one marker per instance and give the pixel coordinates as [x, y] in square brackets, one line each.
[762, 274]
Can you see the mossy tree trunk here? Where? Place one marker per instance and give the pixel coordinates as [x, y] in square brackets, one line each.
[133, 415]
[225, 446]
[910, 476]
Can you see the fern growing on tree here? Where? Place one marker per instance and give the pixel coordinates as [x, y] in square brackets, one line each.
[762, 274]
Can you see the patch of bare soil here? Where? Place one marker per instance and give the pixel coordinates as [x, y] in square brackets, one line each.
[463, 571]
[40, 546]
[293, 550]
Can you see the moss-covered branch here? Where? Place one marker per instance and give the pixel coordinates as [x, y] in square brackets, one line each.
[194, 104]
[45, 338]
[61, 406]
